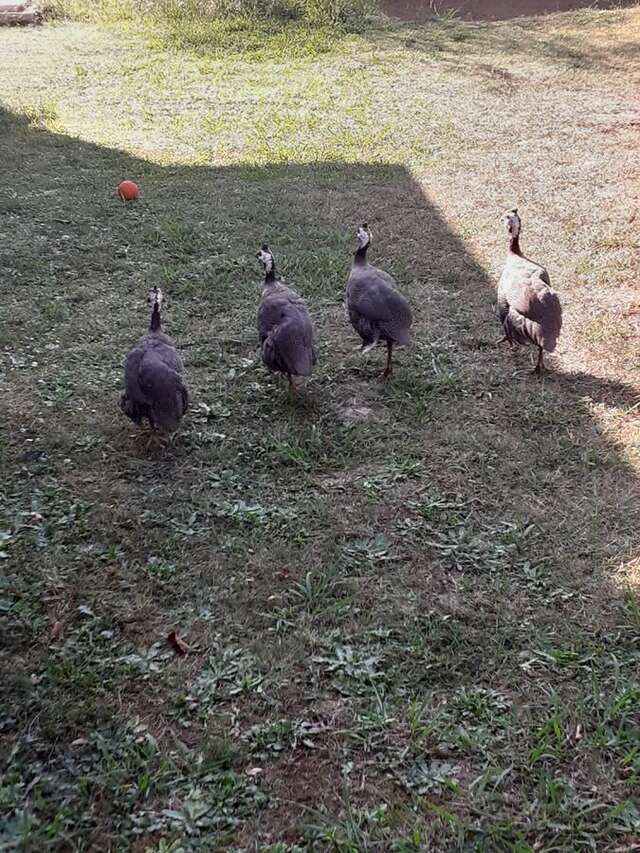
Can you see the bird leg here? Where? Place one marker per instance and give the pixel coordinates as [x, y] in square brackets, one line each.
[389, 368]
[540, 365]
[293, 391]
[157, 440]
[151, 438]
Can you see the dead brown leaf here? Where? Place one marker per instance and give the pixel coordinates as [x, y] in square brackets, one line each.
[177, 644]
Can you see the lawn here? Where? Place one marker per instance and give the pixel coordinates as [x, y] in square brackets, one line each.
[412, 609]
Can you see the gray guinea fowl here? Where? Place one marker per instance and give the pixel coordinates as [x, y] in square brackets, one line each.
[529, 310]
[153, 380]
[376, 310]
[284, 325]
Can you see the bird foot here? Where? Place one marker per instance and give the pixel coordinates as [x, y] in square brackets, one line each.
[504, 340]
[387, 373]
[154, 440]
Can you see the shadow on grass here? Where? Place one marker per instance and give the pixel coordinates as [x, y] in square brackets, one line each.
[76, 264]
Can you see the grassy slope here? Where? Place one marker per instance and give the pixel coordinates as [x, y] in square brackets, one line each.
[413, 608]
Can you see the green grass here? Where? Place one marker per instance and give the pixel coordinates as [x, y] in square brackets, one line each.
[255, 30]
[411, 608]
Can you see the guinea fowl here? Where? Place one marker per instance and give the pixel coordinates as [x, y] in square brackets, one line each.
[284, 325]
[153, 380]
[377, 311]
[529, 310]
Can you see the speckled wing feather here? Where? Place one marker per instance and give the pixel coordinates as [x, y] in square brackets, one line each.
[375, 308]
[286, 332]
[528, 307]
[154, 385]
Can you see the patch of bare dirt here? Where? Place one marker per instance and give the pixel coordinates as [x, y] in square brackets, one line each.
[487, 10]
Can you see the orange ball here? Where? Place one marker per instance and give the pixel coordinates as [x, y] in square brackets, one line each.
[128, 191]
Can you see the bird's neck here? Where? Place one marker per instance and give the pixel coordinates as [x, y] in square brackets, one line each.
[514, 245]
[155, 318]
[270, 276]
[360, 257]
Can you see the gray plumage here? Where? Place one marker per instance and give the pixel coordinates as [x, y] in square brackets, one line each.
[284, 325]
[153, 377]
[529, 310]
[376, 309]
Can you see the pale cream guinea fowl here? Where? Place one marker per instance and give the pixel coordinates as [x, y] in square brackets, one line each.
[529, 310]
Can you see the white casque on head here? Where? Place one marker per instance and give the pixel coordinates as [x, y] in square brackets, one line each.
[267, 258]
[511, 222]
[155, 296]
[363, 235]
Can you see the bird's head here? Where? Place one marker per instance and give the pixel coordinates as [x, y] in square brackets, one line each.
[155, 297]
[511, 222]
[363, 236]
[266, 256]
